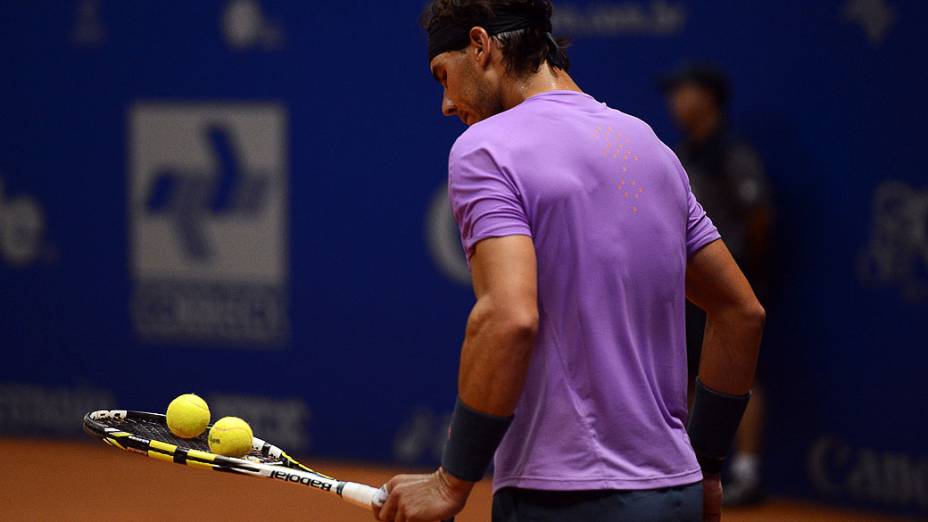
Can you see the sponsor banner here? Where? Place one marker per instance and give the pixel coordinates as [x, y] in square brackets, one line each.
[208, 222]
[613, 19]
[896, 254]
[884, 478]
[26, 410]
[283, 422]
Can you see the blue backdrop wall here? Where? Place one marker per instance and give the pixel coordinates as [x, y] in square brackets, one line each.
[246, 199]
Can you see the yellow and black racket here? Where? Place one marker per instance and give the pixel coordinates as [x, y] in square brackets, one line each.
[148, 434]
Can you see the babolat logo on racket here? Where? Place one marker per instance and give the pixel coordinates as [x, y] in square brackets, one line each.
[306, 481]
[208, 212]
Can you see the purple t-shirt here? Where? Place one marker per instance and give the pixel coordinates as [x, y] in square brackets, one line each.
[610, 212]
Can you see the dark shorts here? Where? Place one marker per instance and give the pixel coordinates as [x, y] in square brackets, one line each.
[677, 504]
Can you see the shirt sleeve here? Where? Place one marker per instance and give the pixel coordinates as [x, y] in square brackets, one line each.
[485, 201]
[700, 231]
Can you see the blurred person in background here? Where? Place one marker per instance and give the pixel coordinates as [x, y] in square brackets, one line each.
[728, 178]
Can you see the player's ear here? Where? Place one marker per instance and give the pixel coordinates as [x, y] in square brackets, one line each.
[480, 45]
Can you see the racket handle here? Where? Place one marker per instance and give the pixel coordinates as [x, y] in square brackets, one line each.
[360, 495]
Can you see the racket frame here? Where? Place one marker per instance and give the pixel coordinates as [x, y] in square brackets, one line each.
[284, 468]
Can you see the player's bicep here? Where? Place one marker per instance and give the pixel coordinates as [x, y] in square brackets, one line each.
[714, 282]
[504, 271]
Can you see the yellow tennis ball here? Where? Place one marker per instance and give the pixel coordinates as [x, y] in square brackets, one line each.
[188, 416]
[230, 436]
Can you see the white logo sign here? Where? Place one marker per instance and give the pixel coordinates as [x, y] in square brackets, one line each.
[885, 477]
[208, 215]
[897, 253]
[658, 17]
[245, 26]
[22, 225]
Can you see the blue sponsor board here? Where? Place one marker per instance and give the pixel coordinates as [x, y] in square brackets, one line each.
[243, 199]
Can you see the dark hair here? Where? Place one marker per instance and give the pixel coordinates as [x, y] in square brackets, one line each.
[524, 50]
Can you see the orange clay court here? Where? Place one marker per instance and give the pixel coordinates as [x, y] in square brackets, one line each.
[89, 481]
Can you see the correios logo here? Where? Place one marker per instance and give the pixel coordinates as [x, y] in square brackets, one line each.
[208, 213]
[190, 198]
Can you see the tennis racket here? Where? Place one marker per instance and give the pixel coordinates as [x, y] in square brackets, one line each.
[148, 434]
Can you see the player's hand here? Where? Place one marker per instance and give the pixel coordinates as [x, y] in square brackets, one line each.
[423, 498]
[712, 498]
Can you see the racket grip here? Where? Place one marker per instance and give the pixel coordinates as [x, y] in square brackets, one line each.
[359, 494]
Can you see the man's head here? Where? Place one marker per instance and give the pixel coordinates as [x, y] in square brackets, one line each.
[698, 97]
[478, 48]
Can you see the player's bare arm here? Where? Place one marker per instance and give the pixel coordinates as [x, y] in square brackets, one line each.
[735, 322]
[735, 319]
[494, 359]
[502, 325]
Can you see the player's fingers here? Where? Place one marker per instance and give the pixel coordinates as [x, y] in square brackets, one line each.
[387, 512]
[379, 497]
[379, 500]
[712, 499]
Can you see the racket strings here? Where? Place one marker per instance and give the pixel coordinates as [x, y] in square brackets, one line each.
[154, 429]
[158, 431]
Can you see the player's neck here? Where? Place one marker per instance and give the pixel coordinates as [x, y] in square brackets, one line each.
[545, 80]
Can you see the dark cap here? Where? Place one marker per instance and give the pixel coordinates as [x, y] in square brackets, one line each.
[705, 76]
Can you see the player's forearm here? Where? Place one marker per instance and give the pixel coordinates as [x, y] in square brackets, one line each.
[730, 348]
[495, 356]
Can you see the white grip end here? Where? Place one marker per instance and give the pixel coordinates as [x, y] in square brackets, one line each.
[360, 495]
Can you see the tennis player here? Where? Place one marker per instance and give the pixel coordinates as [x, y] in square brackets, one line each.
[584, 240]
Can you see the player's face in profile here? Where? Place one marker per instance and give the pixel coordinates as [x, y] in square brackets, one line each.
[468, 93]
